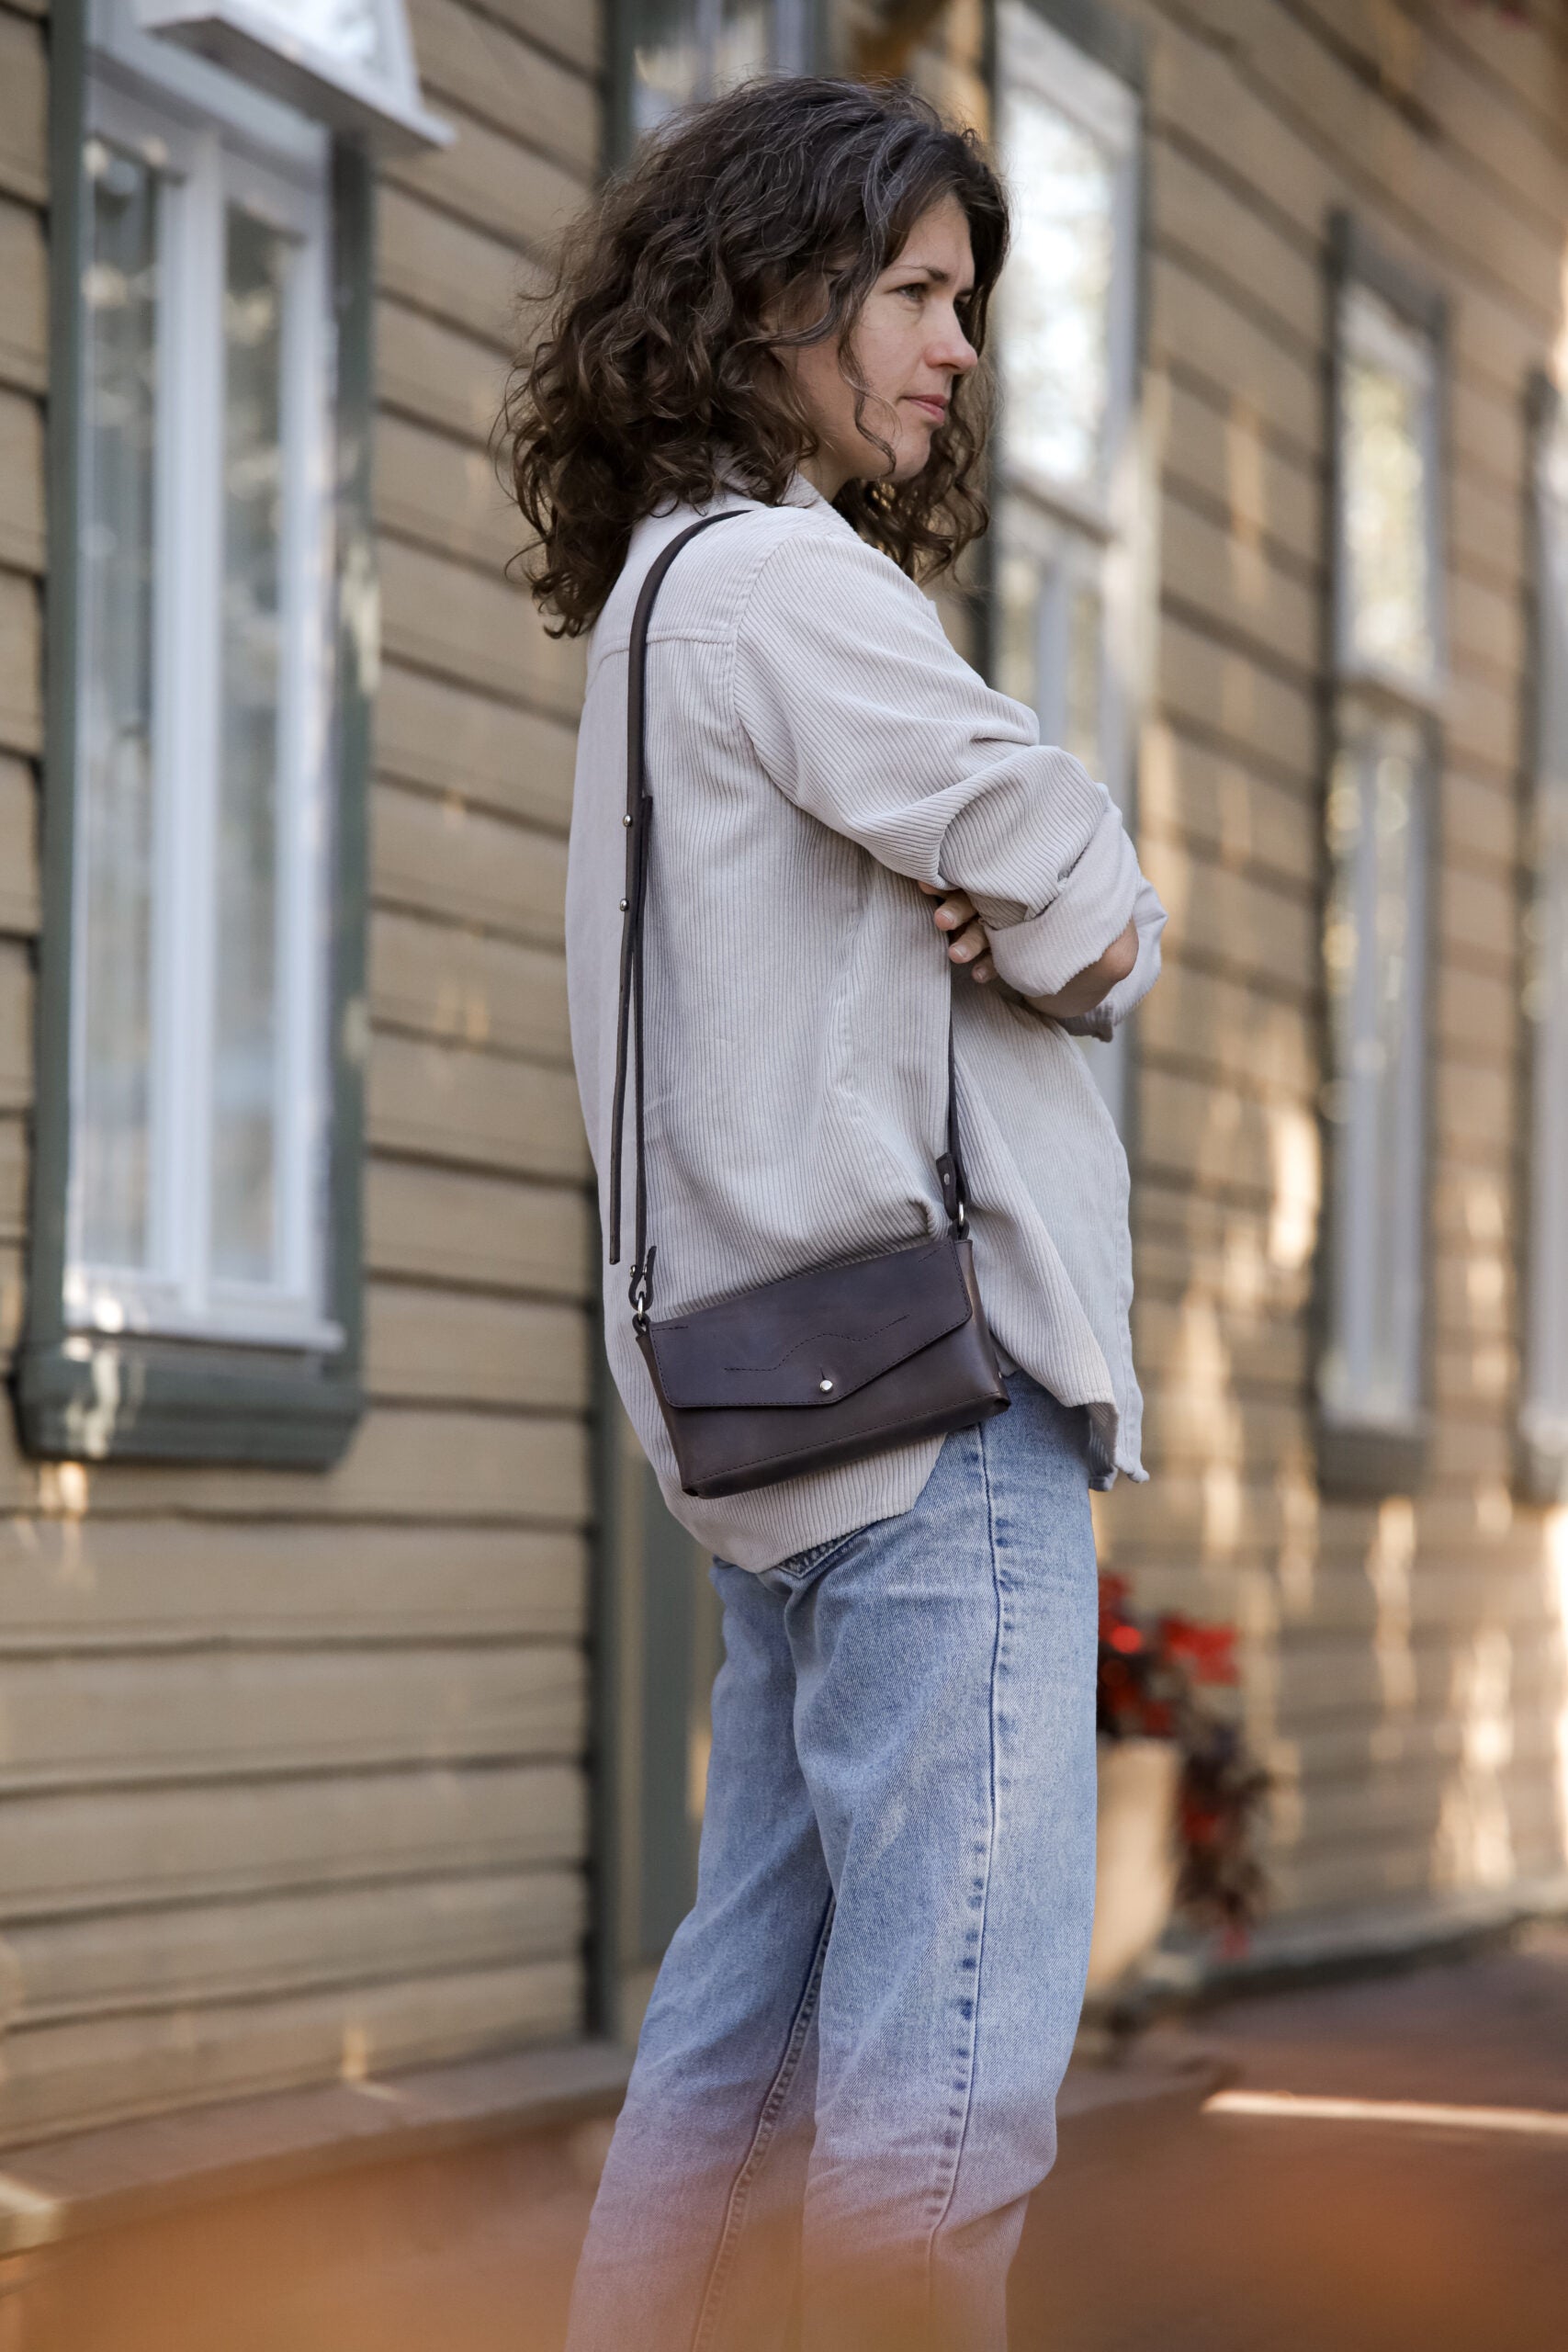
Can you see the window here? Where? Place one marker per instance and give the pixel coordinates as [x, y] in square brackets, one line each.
[677, 50]
[198, 1047]
[1387, 565]
[1064, 624]
[348, 61]
[194, 1282]
[1544, 1403]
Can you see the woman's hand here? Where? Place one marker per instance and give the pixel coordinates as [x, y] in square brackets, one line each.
[967, 946]
[1094, 983]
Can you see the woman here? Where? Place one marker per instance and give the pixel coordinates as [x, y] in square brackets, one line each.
[843, 2094]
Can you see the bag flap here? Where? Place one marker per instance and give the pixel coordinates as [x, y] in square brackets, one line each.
[813, 1338]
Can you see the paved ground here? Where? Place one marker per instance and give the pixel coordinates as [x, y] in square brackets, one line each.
[1167, 2231]
[1164, 2229]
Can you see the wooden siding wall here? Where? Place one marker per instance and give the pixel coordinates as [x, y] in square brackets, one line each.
[1406, 1661]
[291, 1766]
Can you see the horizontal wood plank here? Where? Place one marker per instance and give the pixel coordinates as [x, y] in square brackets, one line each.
[569, 30]
[114, 2069]
[1197, 326]
[446, 492]
[449, 269]
[1218, 449]
[487, 179]
[476, 627]
[24, 314]
[478, 1110]
[458, 1347]
[21, 482]
[445, 856]
[449, 379]
[12, 1177]
[403, 1463]
[1215, 1022]
[1265, 930]
[1438, 213]
[16, 1026]
[21, 665]
[1211, 801]
[97, 1582]
[507, 82]
[276, 1945]
[18, 848]
[1192, 1132]
[452, 1225]
[1243, 592]
[1192, 1342]
[94, 1850]
[1232, 701]
[448, 981]
[23, 112]
[474, 750]
[195, 1714]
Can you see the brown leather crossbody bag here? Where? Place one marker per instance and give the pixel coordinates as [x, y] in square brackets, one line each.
[830, 1364]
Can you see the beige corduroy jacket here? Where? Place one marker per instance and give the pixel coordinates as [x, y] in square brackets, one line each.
[816, 749]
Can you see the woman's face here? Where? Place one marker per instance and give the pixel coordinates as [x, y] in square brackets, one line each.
[910, 348]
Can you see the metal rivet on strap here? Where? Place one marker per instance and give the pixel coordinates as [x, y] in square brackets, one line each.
[623, 906]
[625, 820]
[825, 1386]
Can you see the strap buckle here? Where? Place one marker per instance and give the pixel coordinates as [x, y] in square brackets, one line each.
[640, 1289]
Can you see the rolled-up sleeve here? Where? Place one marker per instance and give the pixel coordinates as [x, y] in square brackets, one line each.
[1148, 918]
[863, 715]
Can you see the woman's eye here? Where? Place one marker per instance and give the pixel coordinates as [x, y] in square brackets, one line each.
[917, 290]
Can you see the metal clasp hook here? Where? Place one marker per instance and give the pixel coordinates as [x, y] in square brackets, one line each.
[641, 1290]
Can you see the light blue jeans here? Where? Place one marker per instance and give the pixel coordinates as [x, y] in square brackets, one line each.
[845, 2088]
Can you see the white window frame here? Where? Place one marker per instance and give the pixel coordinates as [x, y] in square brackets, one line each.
[378, 102]
[208, 158]
[1543, 1403]
[1370, 1439]
[1072, 533]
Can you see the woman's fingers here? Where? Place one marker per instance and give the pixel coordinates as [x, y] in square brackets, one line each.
[954, 909]
[966, 943]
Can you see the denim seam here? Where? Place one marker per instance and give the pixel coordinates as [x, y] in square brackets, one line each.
[993, 1828]
[778, 2090]
[817, 1557]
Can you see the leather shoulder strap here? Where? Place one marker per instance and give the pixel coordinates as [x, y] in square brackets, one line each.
[637, 822]
[639, 811]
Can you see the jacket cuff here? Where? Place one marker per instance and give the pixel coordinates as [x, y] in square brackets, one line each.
[1128, 994]
[1092, 908]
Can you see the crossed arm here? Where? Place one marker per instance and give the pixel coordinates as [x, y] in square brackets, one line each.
[969, 948]
[863, 715]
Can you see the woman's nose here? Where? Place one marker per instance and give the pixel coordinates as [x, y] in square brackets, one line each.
[955, 350]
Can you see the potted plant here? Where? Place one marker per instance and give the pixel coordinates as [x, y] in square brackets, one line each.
[1180, 1792]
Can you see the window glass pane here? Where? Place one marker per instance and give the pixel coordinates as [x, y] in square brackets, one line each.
[1373, 957]
[1386, 495]
[115, 823]
[1055, 296]
[691, 48]
[348, 29]
[245, 1082]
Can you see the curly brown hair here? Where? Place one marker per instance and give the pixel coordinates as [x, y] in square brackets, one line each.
[654, 371]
